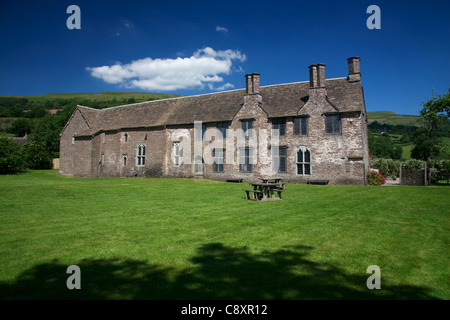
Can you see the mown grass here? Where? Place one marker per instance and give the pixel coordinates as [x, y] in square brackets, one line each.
[136, 238]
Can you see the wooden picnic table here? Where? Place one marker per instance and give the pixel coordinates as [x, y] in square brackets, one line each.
[264, 191]
[276, 180]
[270, 179]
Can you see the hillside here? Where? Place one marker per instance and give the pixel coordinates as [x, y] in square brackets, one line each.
[389, 117]
[37, 106]
[98, 97]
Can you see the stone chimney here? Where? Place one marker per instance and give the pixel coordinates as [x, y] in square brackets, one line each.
[317, 76]
[313, 80]
[252, 81]
[354, 72]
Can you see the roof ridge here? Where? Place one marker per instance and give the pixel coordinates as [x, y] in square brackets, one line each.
[79, 105]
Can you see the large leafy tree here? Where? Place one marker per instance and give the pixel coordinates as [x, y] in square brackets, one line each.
[47, 130]
[435, 113]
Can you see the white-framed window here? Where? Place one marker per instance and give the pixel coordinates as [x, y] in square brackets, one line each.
[140, 155]
[304, 161]
[176, 154]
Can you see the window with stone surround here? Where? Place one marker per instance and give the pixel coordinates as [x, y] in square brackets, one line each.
[301, 126]
[304, 161]
[200, 134]
[218, 160]
[176, 154]
[125, 137]
[333, 124]
[124, 160]
[279, 159]
[279, 127]
[222, 128]
[247, 128]
[140, 155]
[245, 163]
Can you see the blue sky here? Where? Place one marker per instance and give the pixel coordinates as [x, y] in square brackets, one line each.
[196, 47]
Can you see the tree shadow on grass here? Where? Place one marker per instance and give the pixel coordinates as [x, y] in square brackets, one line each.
[219, 272]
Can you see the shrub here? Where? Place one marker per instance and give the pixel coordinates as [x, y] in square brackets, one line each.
[375, 179]
[11, 157]
[387, 167]
[37, 157]
[413, 164]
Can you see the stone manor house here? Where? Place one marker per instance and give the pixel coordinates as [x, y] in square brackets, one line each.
[310, 130]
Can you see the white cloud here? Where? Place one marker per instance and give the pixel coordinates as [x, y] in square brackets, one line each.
[221, 29]
[222, 87]
[205, 67]
[124, 26]
[127, 24]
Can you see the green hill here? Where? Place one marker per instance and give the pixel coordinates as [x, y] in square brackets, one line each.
[37, 106]
[389, 117]
[99, 96]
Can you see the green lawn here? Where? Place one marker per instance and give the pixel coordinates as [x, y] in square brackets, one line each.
[136, 238]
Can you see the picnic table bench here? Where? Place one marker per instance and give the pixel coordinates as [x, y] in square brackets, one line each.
[264, 191]
[234, 180]
[129, 175]
[318, 181]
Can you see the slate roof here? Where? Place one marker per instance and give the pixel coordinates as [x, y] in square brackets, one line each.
[281, 100]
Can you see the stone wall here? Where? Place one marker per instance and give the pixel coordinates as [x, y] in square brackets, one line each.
[412, 177]
[67, 145]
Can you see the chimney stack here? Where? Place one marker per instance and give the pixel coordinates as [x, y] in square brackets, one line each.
[252, 81]
[321, 75]
[317, 75]
[354, 72]
[313, 81]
